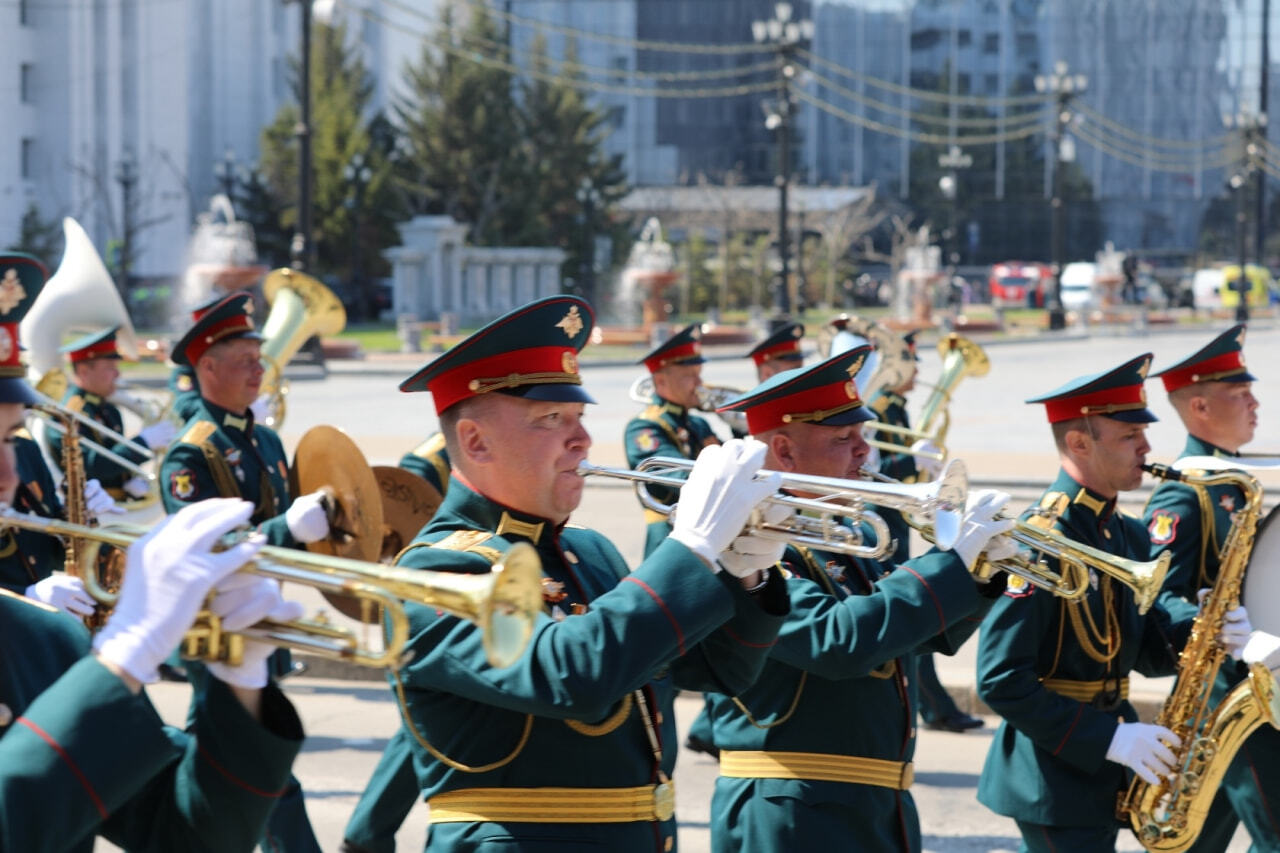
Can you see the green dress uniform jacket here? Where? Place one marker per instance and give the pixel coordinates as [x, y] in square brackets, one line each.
[664, 429]
[27, 557]
[80, 755]
[186, 392]
[575, 708]
[1047, 764]
[430, 461]
[221, 454]
[1194, 530]
[838, 683]
[891, 408]
[96, 465]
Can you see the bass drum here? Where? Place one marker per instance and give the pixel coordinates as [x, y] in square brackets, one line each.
[1261, 594]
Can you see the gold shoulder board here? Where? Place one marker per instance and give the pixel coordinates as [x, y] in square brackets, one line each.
[198, 433]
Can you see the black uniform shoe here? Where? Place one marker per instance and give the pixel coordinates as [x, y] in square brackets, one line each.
[697, 744]
[957, 722]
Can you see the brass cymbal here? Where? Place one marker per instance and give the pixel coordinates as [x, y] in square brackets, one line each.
[327, 459]
[408, 502]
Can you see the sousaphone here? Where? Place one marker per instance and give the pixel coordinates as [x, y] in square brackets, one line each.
[328, 460]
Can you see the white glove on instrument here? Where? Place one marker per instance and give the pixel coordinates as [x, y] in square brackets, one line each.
[928, 467]
[1142, 748]
[980, 525]
[719, 496]
[1262, 648]
[748, 553]
[159, 434]
[307, 518]
[260, 407]
[63, 592]
[97, 501]
[241, 600]
[167, 576]
[137, 487]
[1235, 632]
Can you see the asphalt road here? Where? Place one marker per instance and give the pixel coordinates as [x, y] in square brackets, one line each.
[1001, 439]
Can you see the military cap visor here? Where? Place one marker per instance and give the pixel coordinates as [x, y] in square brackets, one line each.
[1119, 394]
[99, 344]
[1221, 360]
[824, 394]
[531, 352]
[784, 345]
[684, 347]
[230, 319]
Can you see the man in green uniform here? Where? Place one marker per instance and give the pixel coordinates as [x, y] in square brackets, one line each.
[94, 375]
[222, 452]
[919, 463]
[667, 426]
[1212, 392]
[430, 461]
[1057, 670]
[182, 379]
[82, 751]
[818, 750]
[573, 745]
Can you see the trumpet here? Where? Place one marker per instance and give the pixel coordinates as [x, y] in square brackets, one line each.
[1071, 580]
[503, 603]
[940, 503]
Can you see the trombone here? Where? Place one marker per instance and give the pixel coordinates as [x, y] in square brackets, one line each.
[503, 603]
[939, 503]
[52, 414]
[908, 434]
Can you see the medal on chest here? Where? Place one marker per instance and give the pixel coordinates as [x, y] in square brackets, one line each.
[1228, 503]
[233, 459]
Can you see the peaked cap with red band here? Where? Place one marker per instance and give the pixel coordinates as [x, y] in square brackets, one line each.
[531, 352]
[21, 278]
[230, 319]
[684, 347]
[203, 308]
[1222, 360]
[100, 344]
[824, 394]
[784, 345]
[1118, 394]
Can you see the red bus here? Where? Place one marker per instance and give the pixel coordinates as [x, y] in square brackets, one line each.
[1018, 284]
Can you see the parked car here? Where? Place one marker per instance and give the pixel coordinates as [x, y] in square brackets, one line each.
[1015, 284]
[1077, 286]
[1206, 288]
[1260, 286]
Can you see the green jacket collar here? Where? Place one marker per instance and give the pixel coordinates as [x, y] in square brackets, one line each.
[1083, 501]
[225, 418]
[478, 512]
[1200, 447]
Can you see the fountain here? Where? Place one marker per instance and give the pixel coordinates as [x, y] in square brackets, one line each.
[222, 258]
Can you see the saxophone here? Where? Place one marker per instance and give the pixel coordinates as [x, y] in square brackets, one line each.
[101, 590]
[1169, 816]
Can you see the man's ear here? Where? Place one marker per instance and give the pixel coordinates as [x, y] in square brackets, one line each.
[1078, 442]
[1199, 406]
[782, 451]
[472, 441]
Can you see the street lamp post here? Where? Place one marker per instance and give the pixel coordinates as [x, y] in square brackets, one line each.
[358, 174]
[127, 177]
[1251, 127]
[1064, 87]
[954, 160]
[300, 249]
[589, 197]
[786, 36]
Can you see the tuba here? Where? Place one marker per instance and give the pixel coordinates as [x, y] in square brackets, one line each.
[961, 357]
[300, 307]
[1170, 815]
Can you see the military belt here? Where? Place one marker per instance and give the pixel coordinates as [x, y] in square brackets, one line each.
[652, 516]
[553, 805]
[1087, 691]
[818, 767]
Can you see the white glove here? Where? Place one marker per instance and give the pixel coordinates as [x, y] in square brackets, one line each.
[1262, 648]
[979, 525]
[928, 467]
[307, 518]
[260, 407]
[1000, 547]
[63, 592]
[1142, 748]
[241, 600]
[137, 487]
[159, 434]
[97, 501]
[167, 576]
[719, 496]
[748, 554]
[1235, 631]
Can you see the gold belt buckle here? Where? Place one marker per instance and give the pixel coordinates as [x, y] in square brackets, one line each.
[664, 801]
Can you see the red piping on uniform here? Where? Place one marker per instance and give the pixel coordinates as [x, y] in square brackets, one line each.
[942, 619]
[271, 795]
[657, 598]
[746, 643]
[1067, 736]
[75, 769]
